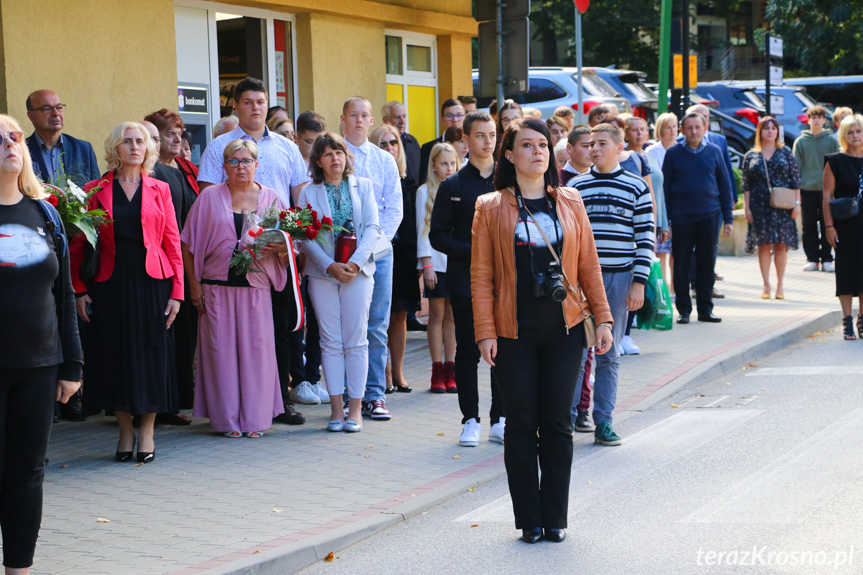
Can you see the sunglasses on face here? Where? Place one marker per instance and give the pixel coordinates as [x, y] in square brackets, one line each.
[14, 137]
[385, 143]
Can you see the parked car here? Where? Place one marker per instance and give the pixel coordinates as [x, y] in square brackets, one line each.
[834, 91]
[739, 102]
[629, 84]
[551, 87]
[796, 99]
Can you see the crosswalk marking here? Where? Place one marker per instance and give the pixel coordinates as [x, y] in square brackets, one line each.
[790, 488]
[613, 468]
[807, 370]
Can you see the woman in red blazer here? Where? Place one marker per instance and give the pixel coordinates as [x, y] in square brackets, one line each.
[134, 297]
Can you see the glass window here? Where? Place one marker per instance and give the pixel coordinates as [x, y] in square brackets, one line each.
[542, 90]
[419, 59]
[595, 86]
[394, 55]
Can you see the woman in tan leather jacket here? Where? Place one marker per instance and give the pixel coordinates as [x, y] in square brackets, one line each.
[528, 322]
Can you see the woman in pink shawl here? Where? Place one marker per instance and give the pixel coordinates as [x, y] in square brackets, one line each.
[237, 383]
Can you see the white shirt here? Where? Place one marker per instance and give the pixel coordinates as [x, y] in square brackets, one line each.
[424, 248]
[657, 150]
[380, 167]
[280, 164]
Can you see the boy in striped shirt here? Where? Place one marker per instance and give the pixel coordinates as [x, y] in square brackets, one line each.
[620, 210]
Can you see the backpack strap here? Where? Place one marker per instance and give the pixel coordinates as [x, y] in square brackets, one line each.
[61, 245]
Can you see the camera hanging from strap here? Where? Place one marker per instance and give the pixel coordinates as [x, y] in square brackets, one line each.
[522, 210]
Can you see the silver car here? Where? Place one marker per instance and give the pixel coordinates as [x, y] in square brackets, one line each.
[551, 87]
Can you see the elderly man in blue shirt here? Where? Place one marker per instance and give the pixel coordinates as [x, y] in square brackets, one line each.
[54, 153]
[380, 167]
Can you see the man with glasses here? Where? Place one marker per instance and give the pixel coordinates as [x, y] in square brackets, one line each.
[451, 114]
[53, 152]
[395, 114]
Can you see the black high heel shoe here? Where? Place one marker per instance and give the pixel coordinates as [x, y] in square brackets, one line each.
[532, 535]
[124, 456]
[146, 456]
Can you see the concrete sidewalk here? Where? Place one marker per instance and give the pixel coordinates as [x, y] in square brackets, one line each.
[273, 505]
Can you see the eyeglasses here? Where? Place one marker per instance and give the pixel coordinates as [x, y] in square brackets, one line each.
[245, 162]
[14, 137]
[392, 143]
[454, 116]
[48, 109]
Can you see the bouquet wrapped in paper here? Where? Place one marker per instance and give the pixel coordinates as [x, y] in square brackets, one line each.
[272, 226]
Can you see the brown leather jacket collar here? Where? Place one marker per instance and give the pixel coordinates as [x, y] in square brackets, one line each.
[493, 273]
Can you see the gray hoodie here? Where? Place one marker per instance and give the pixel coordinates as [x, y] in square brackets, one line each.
[810, 151]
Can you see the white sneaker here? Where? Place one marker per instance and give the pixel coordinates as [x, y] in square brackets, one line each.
[628, 346]
[811, 267]
[470, 434]
[305, 394]
[495, 432]
[322, 392]
[828, 267]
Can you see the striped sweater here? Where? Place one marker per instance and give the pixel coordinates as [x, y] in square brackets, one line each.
[620, 210]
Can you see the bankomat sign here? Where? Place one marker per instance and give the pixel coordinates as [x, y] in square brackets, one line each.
[192, 100]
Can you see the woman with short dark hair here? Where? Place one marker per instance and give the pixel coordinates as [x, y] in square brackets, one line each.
[533, 261]
[40, 353]
[341, 291]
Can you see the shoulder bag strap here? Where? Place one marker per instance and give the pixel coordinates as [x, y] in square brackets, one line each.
[572, 290]
[769, 185]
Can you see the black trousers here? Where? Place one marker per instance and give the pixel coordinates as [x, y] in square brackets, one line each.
[538, 374]
[284, 319]
[815, 243]
[185, 343]
[467, 358]
[26, 410]
[701, 236]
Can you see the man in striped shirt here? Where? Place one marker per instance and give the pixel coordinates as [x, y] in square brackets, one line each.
[620, 210]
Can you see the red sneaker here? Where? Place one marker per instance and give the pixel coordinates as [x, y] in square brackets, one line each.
[438, 384]
[449, 376]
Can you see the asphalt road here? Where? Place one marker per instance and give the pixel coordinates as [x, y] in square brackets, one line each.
[758, 472]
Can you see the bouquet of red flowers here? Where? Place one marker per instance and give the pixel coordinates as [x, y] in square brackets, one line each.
[72, 204]
[260, 230]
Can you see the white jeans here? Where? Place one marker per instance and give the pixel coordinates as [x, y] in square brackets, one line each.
[342, 310]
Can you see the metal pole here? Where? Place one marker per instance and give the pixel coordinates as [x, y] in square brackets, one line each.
[579, 64]
[500, 78]
[664, 55]
[684, 49]
[767, 72]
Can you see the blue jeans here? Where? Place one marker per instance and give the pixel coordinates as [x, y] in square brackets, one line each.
[606, 366]
[379, 323]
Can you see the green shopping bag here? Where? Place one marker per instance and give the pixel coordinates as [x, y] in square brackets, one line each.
[656, 312]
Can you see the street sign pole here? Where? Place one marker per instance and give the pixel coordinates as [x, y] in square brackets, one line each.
[684, 45]
[664, 55]
[581, 119]
[500, 78]
[767, 72]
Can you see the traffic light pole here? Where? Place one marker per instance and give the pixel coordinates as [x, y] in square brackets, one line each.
[578, 63]
[684, 44]
[500, 78]
[664, 55]
[767, 109]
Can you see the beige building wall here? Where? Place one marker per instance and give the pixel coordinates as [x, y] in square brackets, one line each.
[110, 61]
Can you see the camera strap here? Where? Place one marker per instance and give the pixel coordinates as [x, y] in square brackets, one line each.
[523, 208]
[572, 289]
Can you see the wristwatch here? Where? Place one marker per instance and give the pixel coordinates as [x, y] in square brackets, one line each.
[606, 324]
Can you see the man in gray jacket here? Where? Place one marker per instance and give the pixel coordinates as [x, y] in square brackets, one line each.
[810, 149]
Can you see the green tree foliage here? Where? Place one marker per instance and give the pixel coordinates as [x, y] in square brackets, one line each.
[823, 36]
[624, 33]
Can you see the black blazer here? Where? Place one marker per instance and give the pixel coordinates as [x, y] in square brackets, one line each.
[412, 156]
[78, 157]
[425, 154]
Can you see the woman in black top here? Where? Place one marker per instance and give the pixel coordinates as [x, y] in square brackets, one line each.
[40, 361]
[843, 178]
[406, 287]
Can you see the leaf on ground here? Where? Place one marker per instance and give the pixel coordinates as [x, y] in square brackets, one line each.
[277, 510]
[256, 551]
[674, 405]
[589, 481]
[751, 364]
[475, 525]
[456, 456]
[816, 333]
[63, 467]
[727, 383]
[329, 558]
[102, 520]
[441, 434]
[471, 488]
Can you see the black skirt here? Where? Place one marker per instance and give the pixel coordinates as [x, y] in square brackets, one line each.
[130, 361]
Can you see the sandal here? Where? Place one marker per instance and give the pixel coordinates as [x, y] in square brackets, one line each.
[860, 326]
[255, 434]
[233, 434]
[848, 325]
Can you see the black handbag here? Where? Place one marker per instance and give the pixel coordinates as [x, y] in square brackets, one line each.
[90, 262]
[845, 208]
